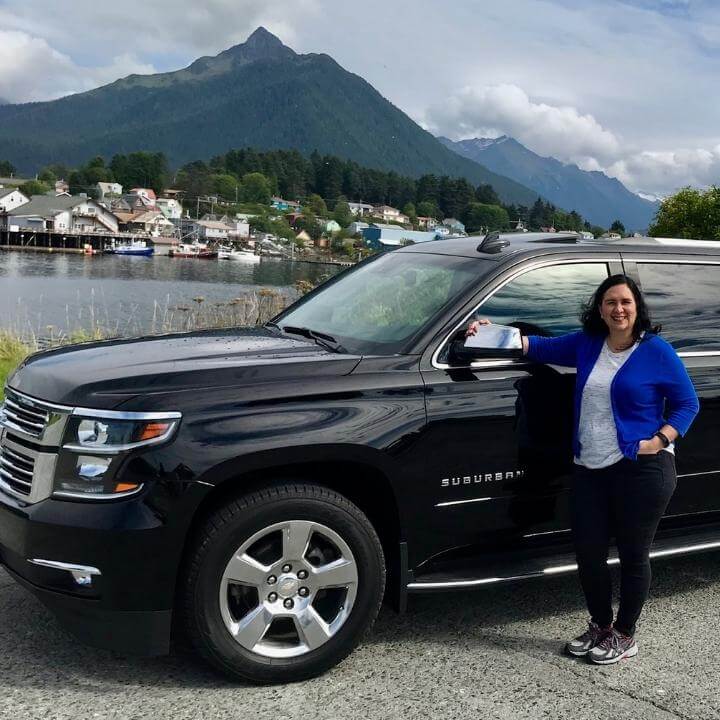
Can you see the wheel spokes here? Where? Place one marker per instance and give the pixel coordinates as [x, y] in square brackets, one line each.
[312, 628]
[252, 627]
[247, 571]
[339, 573]
[296, 536]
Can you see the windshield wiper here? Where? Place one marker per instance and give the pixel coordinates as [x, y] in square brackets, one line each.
[326, 341]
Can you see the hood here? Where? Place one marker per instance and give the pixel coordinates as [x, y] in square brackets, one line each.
[106, 374]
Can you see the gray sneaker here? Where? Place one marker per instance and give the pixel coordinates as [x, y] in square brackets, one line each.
[582, 644]
[614, 647]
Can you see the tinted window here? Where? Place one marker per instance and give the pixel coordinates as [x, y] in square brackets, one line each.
[550, 298]
[685, 300]
[378, 306]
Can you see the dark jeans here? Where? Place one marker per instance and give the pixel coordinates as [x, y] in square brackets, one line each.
[626, 500]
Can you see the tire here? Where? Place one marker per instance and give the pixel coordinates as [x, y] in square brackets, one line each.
[327, 595]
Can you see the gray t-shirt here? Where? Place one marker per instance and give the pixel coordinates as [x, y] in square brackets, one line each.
[597, 431]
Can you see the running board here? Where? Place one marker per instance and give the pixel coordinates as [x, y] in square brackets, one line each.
[557, 564]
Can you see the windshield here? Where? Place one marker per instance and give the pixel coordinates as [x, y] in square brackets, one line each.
[379, 305]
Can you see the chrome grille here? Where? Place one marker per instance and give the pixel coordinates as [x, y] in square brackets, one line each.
[16, 471]
[23, 415]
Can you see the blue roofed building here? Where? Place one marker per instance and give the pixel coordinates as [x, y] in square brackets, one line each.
[386, 237]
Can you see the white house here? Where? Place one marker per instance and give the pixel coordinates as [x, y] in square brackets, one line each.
[63, 213]
[390, 214]
[171, 208]
[212, 230]
[104, 189]
[355, 228]
[10, 198]
[360, 209]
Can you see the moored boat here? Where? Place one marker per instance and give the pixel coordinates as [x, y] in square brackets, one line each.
[192, 250]
[138, 247]
[231, 253]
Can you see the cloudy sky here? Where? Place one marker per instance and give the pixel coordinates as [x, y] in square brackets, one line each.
[624, 86]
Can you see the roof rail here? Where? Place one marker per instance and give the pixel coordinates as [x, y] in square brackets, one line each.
[492, 243]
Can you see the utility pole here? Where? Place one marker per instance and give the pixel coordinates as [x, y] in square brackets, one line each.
[197, 211]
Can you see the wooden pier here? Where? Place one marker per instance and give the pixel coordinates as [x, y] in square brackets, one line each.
[62, 242]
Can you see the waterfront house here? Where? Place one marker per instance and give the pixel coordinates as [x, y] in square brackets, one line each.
[150, 222]
[454, 225]
[390, 214]
[329, 226]
[108, 190]
[426, 223]
[279, 204]
[63, 213]
[384, 237]
[355, 228]
[10, 198]
[171, 208]
[304, 237]
[62, 187]
[360, 209]
[212, 230]
[146, 196]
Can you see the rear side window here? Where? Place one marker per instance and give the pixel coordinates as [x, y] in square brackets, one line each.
[685, 300]
[549, 299]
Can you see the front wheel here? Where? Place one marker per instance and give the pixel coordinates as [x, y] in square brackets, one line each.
[283, 583]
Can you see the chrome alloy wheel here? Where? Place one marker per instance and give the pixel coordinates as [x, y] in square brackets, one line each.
[288, 589]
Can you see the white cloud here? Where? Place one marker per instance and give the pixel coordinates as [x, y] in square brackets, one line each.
[661, 173]
[162, 28]
[493, 110]
[53, 73]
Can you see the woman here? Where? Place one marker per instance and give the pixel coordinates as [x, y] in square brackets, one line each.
[633, 398]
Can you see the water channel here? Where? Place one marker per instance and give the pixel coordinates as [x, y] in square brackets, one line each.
[44, 294]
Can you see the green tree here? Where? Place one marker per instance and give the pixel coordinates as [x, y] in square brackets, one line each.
[47, 176]
[317, 205]
[617, 227]
[486, 194]
[689, 213]
[308, 222]
[226, 186]
[34, 187]
[7, 169]
[342, 214]
[481, 216]
[140, 169]
[410, 210]
[428, 208]
[256, 188]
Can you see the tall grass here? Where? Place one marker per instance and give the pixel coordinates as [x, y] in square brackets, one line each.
[249, 309]
[12, 353]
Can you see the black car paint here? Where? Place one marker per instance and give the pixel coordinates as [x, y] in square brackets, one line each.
[257, 403]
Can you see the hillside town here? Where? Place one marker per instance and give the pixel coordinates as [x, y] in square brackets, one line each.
[59, 220]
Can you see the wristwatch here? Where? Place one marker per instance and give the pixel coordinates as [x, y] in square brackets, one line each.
[663, 437]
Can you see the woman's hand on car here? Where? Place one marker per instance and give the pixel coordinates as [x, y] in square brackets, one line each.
[474, 325]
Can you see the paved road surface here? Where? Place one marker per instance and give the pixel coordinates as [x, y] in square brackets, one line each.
[492, 653]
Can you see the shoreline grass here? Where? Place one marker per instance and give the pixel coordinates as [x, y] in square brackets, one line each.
[12, 352]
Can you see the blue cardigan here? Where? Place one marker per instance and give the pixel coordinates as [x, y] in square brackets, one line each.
[652, 375]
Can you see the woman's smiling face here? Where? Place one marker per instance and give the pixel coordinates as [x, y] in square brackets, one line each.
[619, 309]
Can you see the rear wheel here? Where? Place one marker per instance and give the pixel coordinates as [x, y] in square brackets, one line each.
[283, 583]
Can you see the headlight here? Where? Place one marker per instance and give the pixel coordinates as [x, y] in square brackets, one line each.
[93, 451]
[110, 435]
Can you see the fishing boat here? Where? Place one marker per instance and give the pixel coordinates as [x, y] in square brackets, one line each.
[192, 250]
[232, 253]
[136, 247]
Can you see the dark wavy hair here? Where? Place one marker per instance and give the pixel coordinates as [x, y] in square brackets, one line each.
[593, 323]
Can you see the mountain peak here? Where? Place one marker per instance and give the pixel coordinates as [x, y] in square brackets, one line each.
[261, 45]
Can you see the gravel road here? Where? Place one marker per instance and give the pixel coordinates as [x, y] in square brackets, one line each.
[493, 653]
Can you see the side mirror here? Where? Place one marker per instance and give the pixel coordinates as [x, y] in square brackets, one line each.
[460, 351]
[490, 341]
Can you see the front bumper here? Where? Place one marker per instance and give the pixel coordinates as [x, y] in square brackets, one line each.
[127, 607]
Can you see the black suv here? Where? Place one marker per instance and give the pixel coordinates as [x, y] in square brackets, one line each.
[260, 490]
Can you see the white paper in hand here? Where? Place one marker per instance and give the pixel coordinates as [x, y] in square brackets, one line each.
[495, 337]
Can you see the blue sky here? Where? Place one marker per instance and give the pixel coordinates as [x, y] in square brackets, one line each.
[624, 86]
